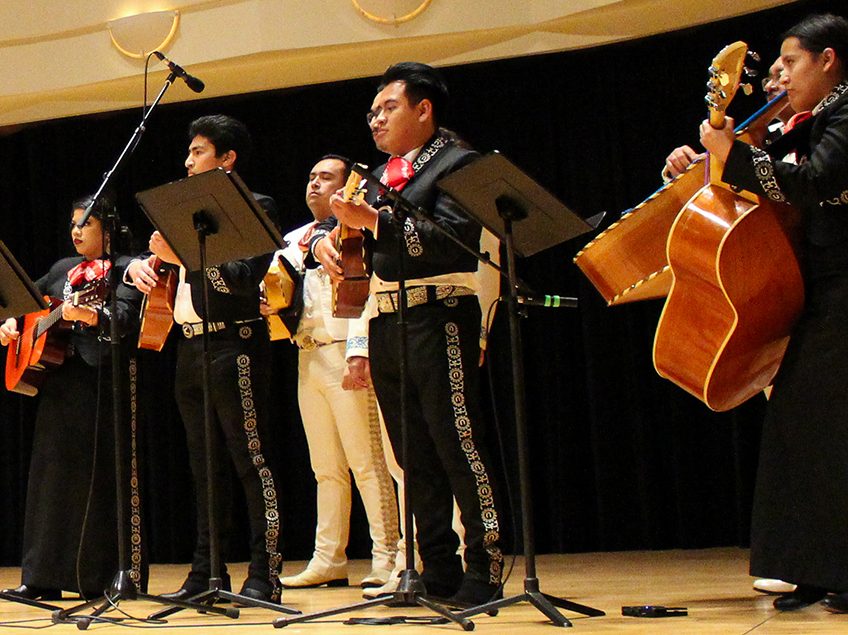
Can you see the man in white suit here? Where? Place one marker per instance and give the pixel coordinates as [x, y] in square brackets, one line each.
[339, 412]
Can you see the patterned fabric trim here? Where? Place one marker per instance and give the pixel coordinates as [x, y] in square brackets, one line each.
[840, 89]
[837, 92]
[218, 284]
[842, 199]
[765, 174]
[388, 498]
[412, 240]
[269, 489]
[462, 423]
[359, 343]
[135, 495]
[424, 157]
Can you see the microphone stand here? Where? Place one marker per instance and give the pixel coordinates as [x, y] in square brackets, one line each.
[123, 587]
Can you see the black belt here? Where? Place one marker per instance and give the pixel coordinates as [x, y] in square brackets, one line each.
[191, 329]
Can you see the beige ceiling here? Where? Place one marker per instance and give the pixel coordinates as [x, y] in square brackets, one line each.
[57, 59]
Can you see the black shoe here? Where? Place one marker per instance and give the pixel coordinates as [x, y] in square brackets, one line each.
[475, 592]
[441, 586]
[29, 592]
[836, 603]
[195, 585]
[260, 589]
[802, 596]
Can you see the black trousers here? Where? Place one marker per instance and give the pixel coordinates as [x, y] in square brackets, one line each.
[447, 432]
[240, 394]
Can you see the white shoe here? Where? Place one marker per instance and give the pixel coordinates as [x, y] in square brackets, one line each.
[388, 588]
[377, 577]
[773, 587]
[309, 579]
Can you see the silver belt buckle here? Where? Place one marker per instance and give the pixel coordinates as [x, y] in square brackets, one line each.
[188, 330]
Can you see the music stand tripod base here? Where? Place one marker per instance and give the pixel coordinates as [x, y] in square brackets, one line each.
[410, 592]
[528, 219]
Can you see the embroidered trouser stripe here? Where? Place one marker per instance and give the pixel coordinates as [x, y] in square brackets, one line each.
[269, 490]
[447, 433]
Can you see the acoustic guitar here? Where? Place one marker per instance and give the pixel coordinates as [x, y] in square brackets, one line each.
[41, 347]
[627, 261]
[157, 309]
[281, 292]
[351, 293]
[737, 288]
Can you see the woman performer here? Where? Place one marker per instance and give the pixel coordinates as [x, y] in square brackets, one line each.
[70, 524]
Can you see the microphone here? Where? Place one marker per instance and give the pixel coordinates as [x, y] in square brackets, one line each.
[550, 301]
[191, 81]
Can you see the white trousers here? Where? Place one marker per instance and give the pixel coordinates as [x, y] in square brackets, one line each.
[344, 434]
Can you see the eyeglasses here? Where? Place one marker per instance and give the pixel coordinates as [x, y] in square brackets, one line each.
[371, 115]
[771, 80]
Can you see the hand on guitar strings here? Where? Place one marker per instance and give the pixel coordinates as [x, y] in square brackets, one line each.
[679, 159]
[142, 274]
[8, 331]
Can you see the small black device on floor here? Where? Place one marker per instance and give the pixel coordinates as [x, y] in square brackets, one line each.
[651, 610]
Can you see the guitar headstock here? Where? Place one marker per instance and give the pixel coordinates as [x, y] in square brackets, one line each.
[725, 76]
[354, 189]
[90, 294]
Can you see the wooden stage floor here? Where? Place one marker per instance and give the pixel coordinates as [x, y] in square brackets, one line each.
[712, 584]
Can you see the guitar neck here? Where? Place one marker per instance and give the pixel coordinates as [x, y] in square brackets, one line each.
[48, 321]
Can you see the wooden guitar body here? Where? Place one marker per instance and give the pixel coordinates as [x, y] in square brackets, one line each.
[351, 294]
[157, 309]
[627, 261]
[280, 289]
[736, 294]
[31, 355]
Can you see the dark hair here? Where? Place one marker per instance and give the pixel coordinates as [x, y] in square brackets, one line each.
[100, 208]
[225, 133]
[337, 157]
[818, 32]
[422, 82]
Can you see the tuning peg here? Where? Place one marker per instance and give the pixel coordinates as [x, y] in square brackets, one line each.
[754, 56]
[711, 102]
[747, 89]
[751, 72]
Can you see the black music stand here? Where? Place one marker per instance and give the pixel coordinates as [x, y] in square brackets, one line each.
[18, 296]
[499, 195]
[209, 219]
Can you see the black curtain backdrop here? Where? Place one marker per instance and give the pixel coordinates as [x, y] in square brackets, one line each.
[621, 459]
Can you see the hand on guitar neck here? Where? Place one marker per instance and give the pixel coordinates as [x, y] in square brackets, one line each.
[327, 255]
[718, 141]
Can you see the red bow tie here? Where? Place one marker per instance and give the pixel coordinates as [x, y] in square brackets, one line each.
[88, 270]
[397, 173]
[797, 118]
